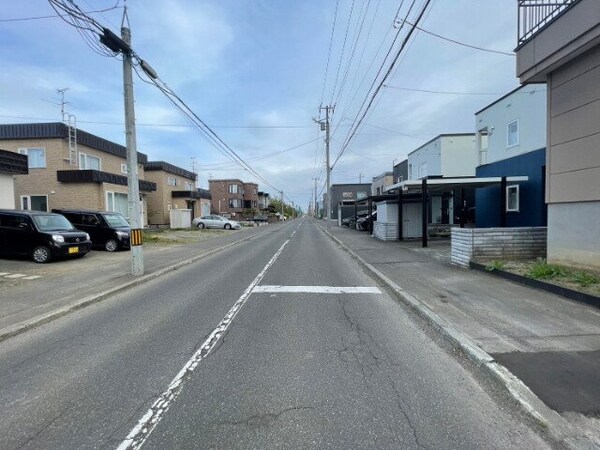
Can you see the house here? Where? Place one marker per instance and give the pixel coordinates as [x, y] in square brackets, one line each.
[511, 141]
[343, 195]
[11, 164]
[263, 200]
[445, 156]
[231, 196]
[70, 168]
[400, 171]
[380, 182]
[175, 189]
[560, 46]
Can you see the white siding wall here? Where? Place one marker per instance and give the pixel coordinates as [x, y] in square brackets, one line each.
[429, 154]
[458, 156]
[7, 191]
[528, 106]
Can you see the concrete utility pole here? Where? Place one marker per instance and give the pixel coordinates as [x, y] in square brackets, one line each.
[133, 188]
[360, 175]
[316, 211]
[282, 214]
[327, 166]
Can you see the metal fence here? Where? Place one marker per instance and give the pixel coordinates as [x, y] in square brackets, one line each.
[536, 14]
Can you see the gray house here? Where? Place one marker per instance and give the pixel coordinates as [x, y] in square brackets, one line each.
[342, 195]
[560, 45]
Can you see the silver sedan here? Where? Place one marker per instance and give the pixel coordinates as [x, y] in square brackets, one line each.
[213, 221]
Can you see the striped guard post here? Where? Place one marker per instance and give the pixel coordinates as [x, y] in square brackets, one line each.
[136, 237]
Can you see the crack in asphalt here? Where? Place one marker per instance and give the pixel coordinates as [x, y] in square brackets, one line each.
[44, 428]
[362, 347]
[266, 418]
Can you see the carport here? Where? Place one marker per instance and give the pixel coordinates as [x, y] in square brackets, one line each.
[409, 189]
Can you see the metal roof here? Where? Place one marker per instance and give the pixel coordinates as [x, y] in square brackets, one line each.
[452, 183]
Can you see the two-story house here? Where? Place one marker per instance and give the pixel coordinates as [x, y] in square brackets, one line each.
[343, 197]
[559, 45]
[11, 164]
[445, 156]
[70, 168]
[380, 182]
[400, 171]
[511, 141]
[229, 197]
[175, 189]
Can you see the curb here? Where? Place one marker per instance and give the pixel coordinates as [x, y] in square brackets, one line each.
[22, 327]
[557, 427]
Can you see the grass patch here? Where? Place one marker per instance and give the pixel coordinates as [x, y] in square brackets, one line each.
[495, 265]
[584, 279]
[541, 270]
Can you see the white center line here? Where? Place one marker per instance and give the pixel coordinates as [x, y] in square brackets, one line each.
[138, 435]
[318, 289]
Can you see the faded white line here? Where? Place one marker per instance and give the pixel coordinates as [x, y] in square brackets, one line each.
[138, 435]
[15, 275]
[318, 289]
[32, 277]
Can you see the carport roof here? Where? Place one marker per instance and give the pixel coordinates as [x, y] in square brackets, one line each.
[452, 183]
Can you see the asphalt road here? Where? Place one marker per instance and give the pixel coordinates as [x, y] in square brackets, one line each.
[287, 344]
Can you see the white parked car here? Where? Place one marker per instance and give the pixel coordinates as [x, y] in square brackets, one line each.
[213, 221]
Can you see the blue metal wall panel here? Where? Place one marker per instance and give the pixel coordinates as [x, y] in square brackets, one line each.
[532, 205]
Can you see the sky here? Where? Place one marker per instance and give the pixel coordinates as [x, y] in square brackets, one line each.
[258, 71]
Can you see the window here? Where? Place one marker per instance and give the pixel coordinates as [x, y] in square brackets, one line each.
[124, 168]
[36, 157]
[117, 202]
[410, 174]
[233, 188]
[189, 186]
[482, 145]
[512, 134]
[172, 181]
[88, 162]
[34, 202]
[400, 179]
[512, 198]
[235, 203]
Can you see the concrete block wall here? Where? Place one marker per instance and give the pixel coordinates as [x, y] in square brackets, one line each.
[471, 244]
[385, 231]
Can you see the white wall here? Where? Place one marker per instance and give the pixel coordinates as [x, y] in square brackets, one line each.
[459, 156]
[429, 154]
[7, 191]
[528, 106]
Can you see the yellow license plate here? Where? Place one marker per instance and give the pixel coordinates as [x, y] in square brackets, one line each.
[73, 250]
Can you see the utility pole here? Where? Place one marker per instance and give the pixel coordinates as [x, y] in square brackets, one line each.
[316, 211]
[193, 158]
[282, 215]
[327, 166]
[62, 92]
[133, 188]
[360, 175]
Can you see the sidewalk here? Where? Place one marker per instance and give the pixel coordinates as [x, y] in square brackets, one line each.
[66, 285]
[552, 344]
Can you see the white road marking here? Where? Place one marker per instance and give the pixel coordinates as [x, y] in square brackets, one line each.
[15, 275]
[318, 289]
[4, 273]
[138, 435]
[33, 277]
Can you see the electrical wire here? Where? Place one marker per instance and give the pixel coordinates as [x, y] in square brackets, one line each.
[329, 53]
[54, 16]
[499, 52]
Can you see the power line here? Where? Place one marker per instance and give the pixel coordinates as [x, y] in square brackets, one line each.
[54, 16]
[441, 92]
[499, 52]
[376, 91]
[329, 53]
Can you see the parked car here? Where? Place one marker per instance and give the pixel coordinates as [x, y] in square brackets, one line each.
[260, 219]
[214, 221]
[363, 223]
[108, 230]
[40, 235]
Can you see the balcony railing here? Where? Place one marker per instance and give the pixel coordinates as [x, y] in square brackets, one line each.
[536, 14]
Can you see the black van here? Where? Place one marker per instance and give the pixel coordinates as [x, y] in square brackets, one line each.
[41, 235]
[108, 230]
